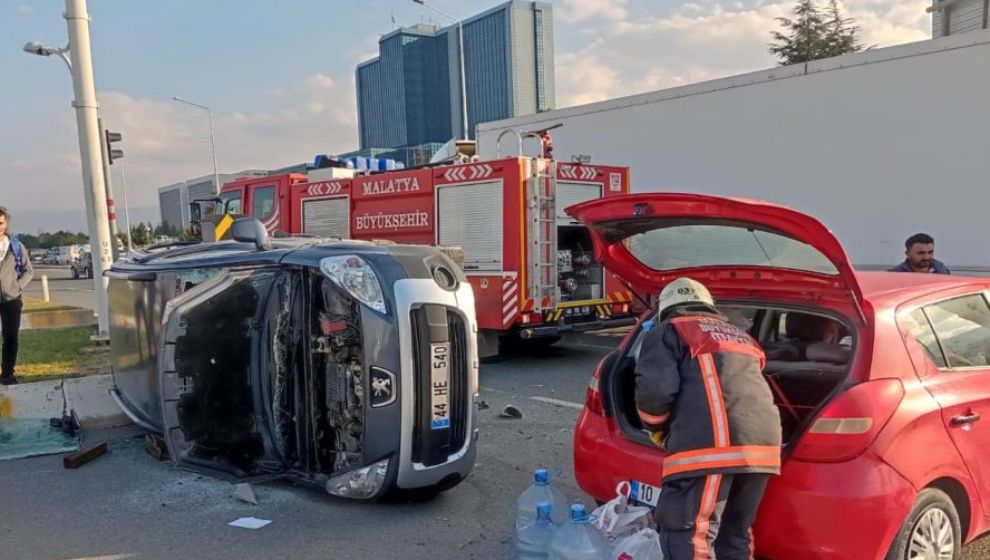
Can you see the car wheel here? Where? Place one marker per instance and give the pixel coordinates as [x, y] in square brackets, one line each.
[931, 531]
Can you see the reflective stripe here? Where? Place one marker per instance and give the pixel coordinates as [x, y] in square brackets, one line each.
[651, 418]
[224, 226]
[767, 456]
[703, 521]
[720, 421]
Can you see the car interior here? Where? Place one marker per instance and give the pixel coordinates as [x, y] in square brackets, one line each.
[808, 357]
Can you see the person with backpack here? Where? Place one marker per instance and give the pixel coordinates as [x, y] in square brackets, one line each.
[15, 275]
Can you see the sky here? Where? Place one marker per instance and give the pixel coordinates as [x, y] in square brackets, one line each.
[279, 77]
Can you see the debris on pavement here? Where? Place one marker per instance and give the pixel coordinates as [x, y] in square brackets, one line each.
[483, 405]
[30, 437]
[80, 458]
[249, 523]
[510, 412]
[245, 492]
[154, 444]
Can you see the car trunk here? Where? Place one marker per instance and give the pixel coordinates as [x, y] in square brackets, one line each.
[801, 382]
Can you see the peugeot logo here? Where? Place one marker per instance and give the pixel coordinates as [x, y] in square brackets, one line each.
[383, 387]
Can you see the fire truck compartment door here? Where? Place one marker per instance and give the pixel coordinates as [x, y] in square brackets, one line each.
[569, 194]
[471, 216]
[327, 217]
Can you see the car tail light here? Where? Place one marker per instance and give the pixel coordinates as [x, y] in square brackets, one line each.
[593, 400]
[851, 422]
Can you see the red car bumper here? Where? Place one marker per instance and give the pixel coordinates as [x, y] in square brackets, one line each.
[813, 511]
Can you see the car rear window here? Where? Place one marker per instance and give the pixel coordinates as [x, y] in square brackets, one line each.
[673, 246]
[962, 329]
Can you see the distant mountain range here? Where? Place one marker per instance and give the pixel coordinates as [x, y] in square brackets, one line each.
[36, 221]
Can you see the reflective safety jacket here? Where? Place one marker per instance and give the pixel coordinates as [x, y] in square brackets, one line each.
[700, 378]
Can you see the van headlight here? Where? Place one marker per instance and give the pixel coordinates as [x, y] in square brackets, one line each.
[356, 277]
[362, 483]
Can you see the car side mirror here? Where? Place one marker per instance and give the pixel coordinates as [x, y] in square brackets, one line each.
[250, 230]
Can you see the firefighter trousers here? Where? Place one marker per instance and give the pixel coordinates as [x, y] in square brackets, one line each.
[709, 517]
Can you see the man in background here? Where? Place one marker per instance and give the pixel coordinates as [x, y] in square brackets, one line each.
[15, 274]
[920, 252]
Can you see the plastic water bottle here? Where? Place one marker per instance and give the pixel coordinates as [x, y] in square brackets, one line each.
[578, 540]
[540, 491]
[532, 541]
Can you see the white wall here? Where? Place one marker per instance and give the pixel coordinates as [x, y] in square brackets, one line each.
[877, 145]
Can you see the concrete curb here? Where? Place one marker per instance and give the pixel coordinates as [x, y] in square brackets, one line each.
[88, 396]
[57, 319]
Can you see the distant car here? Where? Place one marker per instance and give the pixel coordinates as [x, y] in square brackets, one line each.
[350, 366]
[885, 453]
[82, 266]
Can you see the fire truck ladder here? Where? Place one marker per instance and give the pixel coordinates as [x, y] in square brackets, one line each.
[541, 193]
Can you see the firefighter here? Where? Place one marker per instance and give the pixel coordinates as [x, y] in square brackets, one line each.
[701, 394]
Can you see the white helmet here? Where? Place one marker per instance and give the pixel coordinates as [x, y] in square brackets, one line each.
[684, 290]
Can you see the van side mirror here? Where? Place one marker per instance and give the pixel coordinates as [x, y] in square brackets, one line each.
[251, 230]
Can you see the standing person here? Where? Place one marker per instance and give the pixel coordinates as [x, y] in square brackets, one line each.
[15, 274]
[920, 252]
[700, 391]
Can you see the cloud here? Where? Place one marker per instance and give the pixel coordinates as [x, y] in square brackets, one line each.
[636, 48]
[165, 142]
[573, 11]
[26, 10]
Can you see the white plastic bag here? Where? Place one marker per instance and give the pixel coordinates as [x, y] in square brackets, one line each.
[641, 545]
[617, 519]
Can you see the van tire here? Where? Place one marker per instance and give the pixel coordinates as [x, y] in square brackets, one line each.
[932, 504]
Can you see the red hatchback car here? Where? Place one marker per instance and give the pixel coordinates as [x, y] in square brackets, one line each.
[885, 455]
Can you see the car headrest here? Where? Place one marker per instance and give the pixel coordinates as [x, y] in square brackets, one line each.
[787, 351]
[829, 353]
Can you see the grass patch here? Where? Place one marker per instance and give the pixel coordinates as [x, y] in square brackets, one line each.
[60, 353]
[34, 305]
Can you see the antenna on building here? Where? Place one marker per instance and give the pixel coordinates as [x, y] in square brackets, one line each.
[394, 25]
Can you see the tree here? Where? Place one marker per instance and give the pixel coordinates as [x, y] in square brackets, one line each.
[812, 34]
[841, 31]
[141, 235]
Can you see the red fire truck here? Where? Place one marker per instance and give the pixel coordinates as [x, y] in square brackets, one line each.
[531, 266]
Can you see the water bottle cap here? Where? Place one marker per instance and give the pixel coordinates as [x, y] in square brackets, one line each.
[543, 510]
[542, 477]
[578, 512]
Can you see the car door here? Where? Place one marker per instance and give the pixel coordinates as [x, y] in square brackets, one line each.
[213, 405]
[954, 335]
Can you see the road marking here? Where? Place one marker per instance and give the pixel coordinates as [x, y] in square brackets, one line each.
[597, 346]
[559, 402]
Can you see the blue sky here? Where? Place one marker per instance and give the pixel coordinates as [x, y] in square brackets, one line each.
[279, 76]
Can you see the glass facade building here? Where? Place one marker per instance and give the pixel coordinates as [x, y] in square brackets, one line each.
[409, 97]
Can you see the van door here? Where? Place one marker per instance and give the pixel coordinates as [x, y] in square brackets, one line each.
[210, 377]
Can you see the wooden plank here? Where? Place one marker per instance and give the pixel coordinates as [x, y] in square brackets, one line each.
[85, 455]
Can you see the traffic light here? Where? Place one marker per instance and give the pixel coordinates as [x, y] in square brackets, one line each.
[112, 153]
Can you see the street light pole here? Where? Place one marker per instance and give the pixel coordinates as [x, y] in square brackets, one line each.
[127, 214]
[213, 140]
[80, 64]
[460, 46]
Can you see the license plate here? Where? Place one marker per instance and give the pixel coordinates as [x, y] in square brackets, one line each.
[644, 493]
[439, 386]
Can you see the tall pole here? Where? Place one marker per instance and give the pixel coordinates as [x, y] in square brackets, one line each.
[460, 48]
[77, 21]
[127, 214]
[460, 43]
[111, 211]
[213, 139]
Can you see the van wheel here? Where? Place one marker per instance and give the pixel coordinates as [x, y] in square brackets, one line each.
[931, 531]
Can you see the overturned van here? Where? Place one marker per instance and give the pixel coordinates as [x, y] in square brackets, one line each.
[346, 365]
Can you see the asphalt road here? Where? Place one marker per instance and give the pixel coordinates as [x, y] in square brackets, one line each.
[127, 505]
[62, 288]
